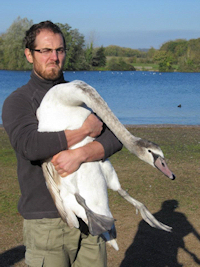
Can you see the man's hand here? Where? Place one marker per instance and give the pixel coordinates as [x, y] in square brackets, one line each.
[93, 125]
[67, 162]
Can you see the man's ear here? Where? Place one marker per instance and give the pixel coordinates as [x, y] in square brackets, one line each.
[28, 55]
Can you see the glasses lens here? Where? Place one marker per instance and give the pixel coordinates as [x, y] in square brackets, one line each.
[60, 50]
[46, 51]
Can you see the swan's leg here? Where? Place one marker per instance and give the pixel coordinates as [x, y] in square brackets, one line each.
[113, 183]
[146, 215]
[110, 175]
[97, 223]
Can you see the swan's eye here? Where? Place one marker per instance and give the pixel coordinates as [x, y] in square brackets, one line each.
[149, 151]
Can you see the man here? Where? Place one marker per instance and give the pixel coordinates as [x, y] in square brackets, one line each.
[48, 240]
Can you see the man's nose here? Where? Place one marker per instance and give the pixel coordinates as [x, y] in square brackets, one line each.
[54, 54]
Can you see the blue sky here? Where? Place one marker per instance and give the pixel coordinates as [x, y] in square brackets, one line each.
[127, 23]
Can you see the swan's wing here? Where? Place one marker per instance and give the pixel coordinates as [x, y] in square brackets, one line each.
[146, 215]
[97, 223]
[52, 186]
[53, 180]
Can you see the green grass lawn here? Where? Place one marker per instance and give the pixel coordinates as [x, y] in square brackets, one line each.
[181, 147]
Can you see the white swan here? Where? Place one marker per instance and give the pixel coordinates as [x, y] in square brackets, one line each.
[84, 193]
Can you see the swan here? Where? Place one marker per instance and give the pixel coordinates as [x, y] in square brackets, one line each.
[83, 193]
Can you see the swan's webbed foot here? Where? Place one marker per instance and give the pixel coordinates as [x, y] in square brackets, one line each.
[97, 223]
[146, 215]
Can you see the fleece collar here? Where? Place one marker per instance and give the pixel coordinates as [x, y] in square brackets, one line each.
[45, 84]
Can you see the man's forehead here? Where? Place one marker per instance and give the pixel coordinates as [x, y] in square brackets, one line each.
[48, 36]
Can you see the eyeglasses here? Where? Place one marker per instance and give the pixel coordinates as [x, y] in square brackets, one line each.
[49, 51]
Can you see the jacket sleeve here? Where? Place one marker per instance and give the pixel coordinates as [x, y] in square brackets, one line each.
[109, 141]
[20, 123]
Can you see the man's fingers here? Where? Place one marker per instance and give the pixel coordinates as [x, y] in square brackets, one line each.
[54, 159]
[64, 174]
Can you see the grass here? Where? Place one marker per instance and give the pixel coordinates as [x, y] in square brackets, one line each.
[181, 146]
[138, 65]
[146, 66]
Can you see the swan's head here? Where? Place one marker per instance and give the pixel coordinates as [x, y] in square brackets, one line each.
[152, 154]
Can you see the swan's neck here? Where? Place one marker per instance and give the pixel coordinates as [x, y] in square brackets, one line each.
[94, 101]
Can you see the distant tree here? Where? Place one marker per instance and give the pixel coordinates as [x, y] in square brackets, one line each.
[1, 53]
[12, 45]
[89, 54]
[151, 53]
[165, 61]
[99, 59]
[118, 51]
[190, 59]
[166, 65]
[78, 56]
[75, 58]
[119, 64]
[160, 56]
[132, 60]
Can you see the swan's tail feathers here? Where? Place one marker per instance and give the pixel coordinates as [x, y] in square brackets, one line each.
[97, 223]
[146, 215]
[113, 243]
[110, 237]
[52, 181]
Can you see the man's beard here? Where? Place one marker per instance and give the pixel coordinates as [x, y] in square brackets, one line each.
[51, 74]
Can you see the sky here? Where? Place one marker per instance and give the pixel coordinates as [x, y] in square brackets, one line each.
[126, 23]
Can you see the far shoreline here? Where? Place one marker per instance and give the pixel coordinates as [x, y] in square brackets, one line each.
[161, 125]
[152, 126]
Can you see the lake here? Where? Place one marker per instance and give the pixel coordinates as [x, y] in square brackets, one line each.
[135, 97]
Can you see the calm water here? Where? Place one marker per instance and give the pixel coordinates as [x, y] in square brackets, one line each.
[134, 97]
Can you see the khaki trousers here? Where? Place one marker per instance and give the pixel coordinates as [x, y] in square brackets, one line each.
[51, 243]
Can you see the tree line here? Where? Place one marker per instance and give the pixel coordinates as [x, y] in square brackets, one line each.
[78, 56]
[179, 55]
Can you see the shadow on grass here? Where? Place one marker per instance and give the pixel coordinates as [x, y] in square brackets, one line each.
[12, 256]
[155, 248]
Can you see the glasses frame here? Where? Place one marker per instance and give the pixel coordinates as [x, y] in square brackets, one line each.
[49, 51]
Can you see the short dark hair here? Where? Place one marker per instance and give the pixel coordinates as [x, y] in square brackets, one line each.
[35, 29]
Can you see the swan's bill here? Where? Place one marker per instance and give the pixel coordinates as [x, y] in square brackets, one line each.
[161, 165]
